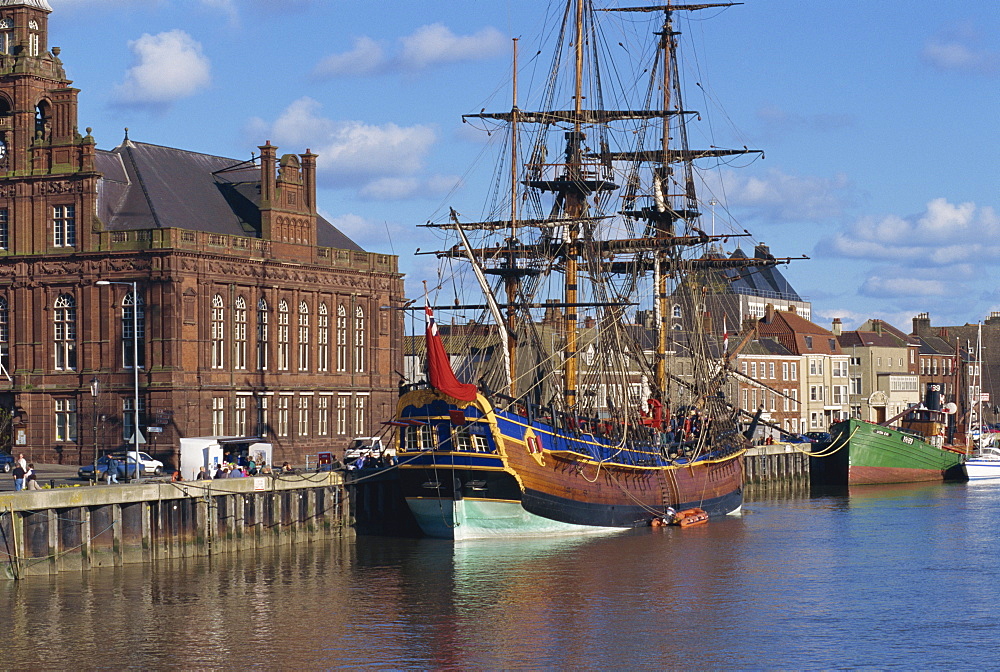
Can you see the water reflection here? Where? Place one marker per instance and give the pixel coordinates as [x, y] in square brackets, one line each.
[831, 581]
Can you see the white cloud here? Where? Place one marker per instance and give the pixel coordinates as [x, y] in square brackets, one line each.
[365, 58]
[435, 43]
[957, 55]
[372, 234]
[882, 287]
[169, 66]
[427, 46]
[780, 196]
[945, 234]
[350, 152]
[399, 188]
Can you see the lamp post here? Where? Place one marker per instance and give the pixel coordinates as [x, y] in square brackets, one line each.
[95, 389]
[135, 369]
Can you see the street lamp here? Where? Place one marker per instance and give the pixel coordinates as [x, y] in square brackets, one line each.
[95, 389]
[135, 369]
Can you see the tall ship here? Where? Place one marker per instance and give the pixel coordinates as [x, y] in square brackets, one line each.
[556, 399]
[921, 447]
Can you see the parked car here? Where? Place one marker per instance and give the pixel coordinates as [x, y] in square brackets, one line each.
[820, 437]
[6, 462]
[149, 465]
[86, 472]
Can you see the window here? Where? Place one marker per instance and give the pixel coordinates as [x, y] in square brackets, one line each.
[341, 338]
[746, 397]
[770, 370]
[240, 412]
[784, 370]
[133, 317]
[323, 339]
[809, 342]
[795, 400]
[65, 419]
[283, 416]
[900, 362]
[923, 366]
[303, 336]
[786, 400]
[753, 370]
[359, 339]
[833, 344]
[816, 393]
[128, 417]
[878, 362]
[4, 338]
[4, 229]
[934, 367]
[840, 394]
[240, 334]
[64, 322]
[218, 331]
[303, 424]
[262, 316]
[360, 414]
[342, 414]
[840, 368]
[795, 371]
[323, 416]
[889, 360]
[814, 420]
[218, 416]
[677, 311]
[856, 385]
[262, 426]
[743, 366]
[64, 226]
[283, 336]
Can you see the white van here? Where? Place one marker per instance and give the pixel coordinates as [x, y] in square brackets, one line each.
[364, 448]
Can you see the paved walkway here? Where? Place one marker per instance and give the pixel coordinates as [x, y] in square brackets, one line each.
[62, 474]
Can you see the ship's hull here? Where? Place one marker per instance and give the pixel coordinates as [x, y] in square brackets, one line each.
[862, 453]
[530, 479]
[982, 469]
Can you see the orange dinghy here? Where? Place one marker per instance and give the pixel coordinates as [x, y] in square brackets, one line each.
[689, 517]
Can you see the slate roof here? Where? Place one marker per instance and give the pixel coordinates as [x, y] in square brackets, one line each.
[759, 281]
[792, 331]
[146, 186]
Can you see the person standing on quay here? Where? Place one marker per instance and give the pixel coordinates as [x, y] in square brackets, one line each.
[31, 479]
[18, 473]
[22, 462]
[112, 473]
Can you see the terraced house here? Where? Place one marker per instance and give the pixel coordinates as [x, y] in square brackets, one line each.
[240, 308]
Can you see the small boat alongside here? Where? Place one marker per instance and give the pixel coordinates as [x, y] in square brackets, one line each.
[984, 465]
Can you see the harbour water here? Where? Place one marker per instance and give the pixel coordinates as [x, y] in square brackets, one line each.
[885, 577]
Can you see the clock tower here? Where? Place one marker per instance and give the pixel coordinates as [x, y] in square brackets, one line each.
[49, 183]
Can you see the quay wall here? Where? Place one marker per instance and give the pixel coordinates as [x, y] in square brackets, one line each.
[776, 462]
[76, 529]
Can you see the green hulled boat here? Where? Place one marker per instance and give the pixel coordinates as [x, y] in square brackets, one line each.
[863, 453]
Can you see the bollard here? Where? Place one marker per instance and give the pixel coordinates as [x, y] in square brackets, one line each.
[52, 484]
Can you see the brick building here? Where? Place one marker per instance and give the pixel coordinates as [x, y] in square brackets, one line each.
[255, 316]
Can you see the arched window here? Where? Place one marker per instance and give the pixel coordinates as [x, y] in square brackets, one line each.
[262, 335]
[323, 339]
[133, 321]
[240, 334]
[359, 339]
[4, 339]
[341, 338]
[64, 335]
[303, 336]
[283, 335]
[218, 332]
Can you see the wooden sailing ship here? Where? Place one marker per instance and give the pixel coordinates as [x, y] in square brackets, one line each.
[573, 418]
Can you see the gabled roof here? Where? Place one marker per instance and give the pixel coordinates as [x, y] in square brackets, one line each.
[798, 334]
[147, 186]
[764, 281]
[875, 325]
[861, 338]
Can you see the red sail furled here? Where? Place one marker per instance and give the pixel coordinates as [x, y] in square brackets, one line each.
[442, 378]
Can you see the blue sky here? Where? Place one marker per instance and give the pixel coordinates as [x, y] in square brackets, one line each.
[879, 121]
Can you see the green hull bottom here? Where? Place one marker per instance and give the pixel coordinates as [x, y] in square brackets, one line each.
[488, 519]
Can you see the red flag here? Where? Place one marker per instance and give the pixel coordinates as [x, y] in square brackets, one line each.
[725, 335]
[442, 378]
